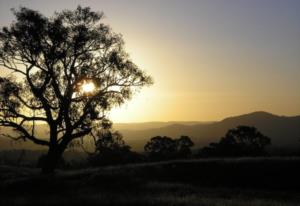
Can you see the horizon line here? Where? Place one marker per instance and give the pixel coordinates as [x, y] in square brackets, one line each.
[204, 121]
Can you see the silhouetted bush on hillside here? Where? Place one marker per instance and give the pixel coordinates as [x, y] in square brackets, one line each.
[241, 141]
[111, 149]
[165, 148]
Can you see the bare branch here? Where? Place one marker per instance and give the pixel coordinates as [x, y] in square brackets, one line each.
[24, 132]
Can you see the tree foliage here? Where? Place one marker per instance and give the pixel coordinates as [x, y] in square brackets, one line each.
[111, 149]
[164, 148]
[241, 141]
[183, 146]
[50, 59]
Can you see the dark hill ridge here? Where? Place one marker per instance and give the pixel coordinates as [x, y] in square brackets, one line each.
[284, 131]
[151, 125]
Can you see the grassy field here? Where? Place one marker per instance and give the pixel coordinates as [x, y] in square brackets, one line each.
[213, 182]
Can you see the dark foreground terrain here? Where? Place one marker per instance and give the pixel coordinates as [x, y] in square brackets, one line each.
[213, 182]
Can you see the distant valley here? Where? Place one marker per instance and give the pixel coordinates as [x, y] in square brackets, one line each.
[284, 131]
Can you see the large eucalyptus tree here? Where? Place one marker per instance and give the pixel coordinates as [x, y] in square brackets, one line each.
[69, 70]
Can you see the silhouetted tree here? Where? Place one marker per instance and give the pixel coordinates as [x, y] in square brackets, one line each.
[111, 149]
[183, 146]
[160, 148]
[241, 141]
[164, 148]
[54, 59]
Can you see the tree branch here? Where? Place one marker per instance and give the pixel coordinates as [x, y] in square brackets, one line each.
[25, 133]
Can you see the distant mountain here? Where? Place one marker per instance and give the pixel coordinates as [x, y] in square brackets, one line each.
[152, 125]
[283, 131]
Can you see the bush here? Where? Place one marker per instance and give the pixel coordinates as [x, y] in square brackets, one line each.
[241, 141]
[165, 148]
[111, 150]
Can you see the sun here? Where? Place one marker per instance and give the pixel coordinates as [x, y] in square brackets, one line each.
[88, 87]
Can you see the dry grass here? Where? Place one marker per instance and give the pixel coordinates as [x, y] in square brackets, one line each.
[166, 183]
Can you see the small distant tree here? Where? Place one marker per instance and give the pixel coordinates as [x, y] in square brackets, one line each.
[70, 70]
[164, 148]
[241, 141]
[183, 146]
[160, 148]
[110, 149]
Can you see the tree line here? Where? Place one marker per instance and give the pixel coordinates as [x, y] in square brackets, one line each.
[110, 148]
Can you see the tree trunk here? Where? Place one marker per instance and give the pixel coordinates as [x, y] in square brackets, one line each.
[51, 160]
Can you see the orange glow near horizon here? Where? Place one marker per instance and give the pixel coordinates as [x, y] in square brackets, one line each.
[209, 59]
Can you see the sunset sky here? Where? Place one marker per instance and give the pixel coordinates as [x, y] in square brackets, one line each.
[209, 59]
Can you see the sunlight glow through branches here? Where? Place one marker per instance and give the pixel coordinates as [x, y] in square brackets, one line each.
[88, 87]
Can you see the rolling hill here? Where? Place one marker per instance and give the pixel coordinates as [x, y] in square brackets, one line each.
[284, 131]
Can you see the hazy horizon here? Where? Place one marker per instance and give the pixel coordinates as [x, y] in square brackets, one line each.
[210, 59]
[208, 121]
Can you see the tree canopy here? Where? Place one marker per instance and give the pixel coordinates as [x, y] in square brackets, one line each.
[110, 148]
[240, 141]
[51, 59]
[164, 148]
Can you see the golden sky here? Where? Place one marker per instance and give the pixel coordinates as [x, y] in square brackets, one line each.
[209, 59]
